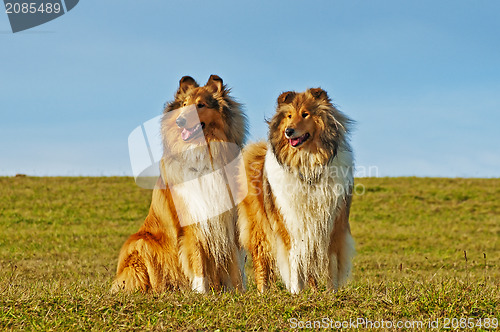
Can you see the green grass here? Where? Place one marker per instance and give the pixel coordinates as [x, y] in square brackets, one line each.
[60, 238]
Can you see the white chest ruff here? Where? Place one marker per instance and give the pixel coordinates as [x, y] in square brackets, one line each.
[205, 203]
[309, 212]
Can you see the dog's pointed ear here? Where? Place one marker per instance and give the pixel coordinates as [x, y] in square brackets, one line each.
[319, 94]
[186, 83]
[215, 83]
[286, 97]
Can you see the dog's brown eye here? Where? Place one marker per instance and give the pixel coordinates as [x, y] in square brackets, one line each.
[200, 105]
[305, 115]
[289, 116]
[184, 104]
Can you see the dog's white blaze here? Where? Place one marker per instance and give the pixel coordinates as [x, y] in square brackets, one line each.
[309, 213]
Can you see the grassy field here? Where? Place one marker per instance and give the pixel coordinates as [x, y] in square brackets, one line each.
[60, 238]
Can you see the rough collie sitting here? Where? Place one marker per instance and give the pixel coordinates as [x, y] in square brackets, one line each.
[189, 238]
[296, 216]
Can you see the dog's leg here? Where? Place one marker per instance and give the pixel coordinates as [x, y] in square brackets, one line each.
[193, 259]
[199, 282]
[236, 271]
[225, 278]
[133, 275]
[344, 254]
[242, 260]
[333, 281]
[341, 248]
[261, 270]
[137, 270]
[296, 279]
[340, 264]
[340, 259]
[312, 283]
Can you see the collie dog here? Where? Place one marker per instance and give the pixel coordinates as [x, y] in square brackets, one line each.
[295, 217]
[189, 238]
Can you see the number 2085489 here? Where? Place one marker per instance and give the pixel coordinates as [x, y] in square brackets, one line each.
[470, 323]
[32, 8]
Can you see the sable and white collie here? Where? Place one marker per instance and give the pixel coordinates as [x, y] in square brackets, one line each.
[189, 238]
[295, 217]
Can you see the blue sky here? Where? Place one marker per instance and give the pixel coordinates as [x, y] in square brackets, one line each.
[421, 78]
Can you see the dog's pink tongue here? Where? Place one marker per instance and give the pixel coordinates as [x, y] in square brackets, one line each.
[294, 141]
[185, 134]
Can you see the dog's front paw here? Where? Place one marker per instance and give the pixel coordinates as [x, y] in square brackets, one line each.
[199, 285]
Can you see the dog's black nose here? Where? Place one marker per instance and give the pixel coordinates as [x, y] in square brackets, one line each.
[180, 121]
[289, 132]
